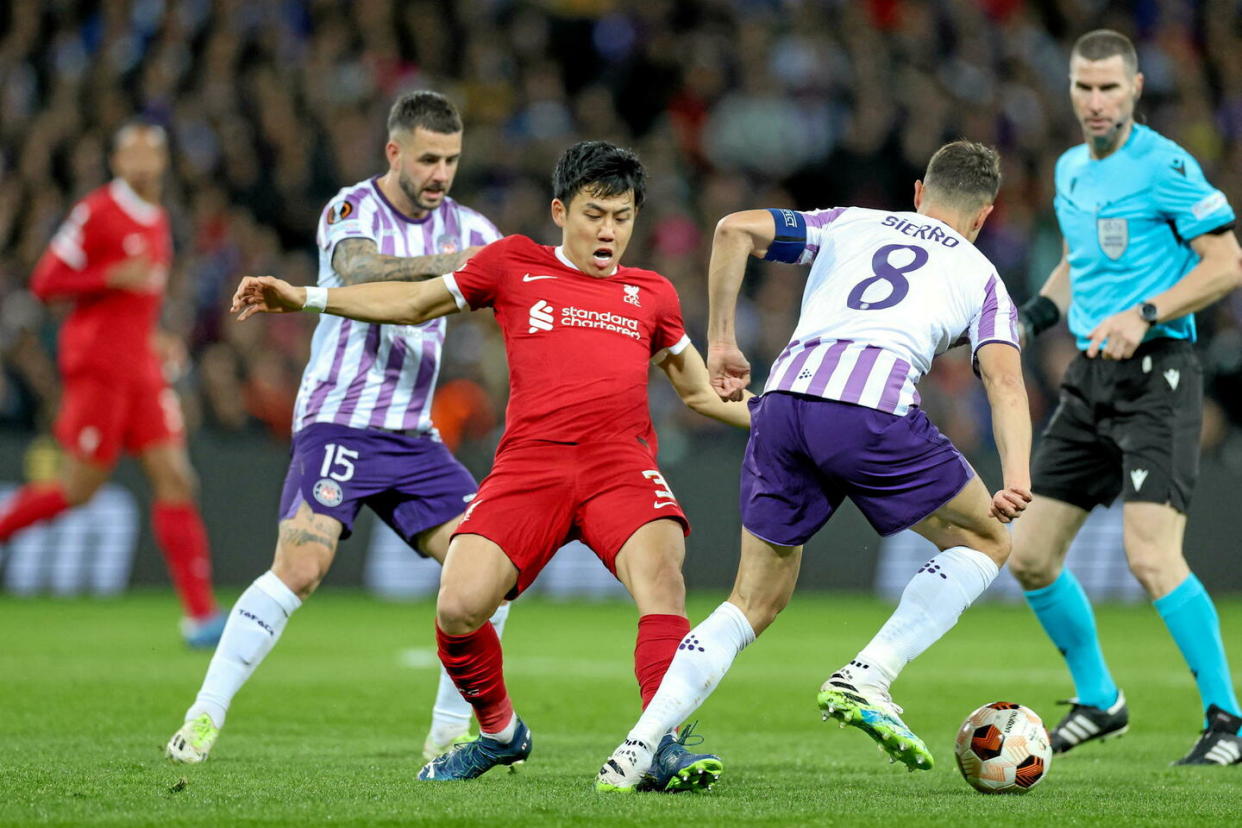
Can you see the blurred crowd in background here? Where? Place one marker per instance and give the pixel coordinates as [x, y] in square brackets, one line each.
[732, 104]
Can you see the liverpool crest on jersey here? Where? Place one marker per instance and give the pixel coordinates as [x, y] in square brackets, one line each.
[1114, 236]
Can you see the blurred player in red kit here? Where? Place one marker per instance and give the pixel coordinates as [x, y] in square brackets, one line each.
[111, 259]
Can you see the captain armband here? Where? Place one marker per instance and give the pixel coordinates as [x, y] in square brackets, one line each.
[790, 238]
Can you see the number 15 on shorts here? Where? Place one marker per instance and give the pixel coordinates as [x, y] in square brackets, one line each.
[664, 495]
[338, 462]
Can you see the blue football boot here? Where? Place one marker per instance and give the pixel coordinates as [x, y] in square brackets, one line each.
[675, 769]
[476, 758]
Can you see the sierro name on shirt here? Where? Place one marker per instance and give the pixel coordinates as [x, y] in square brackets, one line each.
[930, 232]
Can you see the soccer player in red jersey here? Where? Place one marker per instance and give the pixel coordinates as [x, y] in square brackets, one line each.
[111, 258]
[578, 455]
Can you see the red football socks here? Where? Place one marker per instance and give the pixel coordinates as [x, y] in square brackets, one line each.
[658, 637]
[475, 663]
[30, 505]
[182, 538]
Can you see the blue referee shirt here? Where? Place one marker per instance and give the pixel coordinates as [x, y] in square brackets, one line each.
[1128, 220]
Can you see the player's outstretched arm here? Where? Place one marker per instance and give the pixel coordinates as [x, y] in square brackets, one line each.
[1050, 304]
[384, 302]
[688, 374]
[738, 236]
[1000, 366]
[1218, 272]
[358, 261]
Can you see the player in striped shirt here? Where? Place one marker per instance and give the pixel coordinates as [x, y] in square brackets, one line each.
[362, 431]
[840, 418]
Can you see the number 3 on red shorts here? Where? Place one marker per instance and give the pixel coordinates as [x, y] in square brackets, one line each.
[662, 492]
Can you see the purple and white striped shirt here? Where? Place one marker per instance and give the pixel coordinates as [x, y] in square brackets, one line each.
[887, 292]
[380, 376]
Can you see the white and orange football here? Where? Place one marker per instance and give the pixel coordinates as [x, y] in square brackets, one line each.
[1003, 748]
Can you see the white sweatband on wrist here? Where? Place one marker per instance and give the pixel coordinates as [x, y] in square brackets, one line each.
[316, 299]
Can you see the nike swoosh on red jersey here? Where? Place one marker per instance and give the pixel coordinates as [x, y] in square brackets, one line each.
[529, 278]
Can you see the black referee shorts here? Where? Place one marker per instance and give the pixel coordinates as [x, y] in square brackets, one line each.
[1128, 427]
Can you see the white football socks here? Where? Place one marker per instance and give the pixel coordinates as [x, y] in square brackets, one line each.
[930, 605]
[703, 657]
[255, 623]
[450, 717]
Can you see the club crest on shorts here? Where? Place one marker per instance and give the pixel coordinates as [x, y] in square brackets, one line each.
[328, 492]
[1113, 235]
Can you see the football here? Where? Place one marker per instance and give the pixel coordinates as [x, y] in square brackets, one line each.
[1003, 748]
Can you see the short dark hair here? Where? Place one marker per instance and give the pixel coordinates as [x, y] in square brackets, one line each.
[424, 108]
[963, 174]
[600, 168]
[1102, 44]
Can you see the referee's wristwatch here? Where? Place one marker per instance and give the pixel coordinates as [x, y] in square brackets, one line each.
[1148, 312]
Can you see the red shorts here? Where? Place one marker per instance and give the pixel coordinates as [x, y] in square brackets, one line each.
[99, 416]
[538, 497]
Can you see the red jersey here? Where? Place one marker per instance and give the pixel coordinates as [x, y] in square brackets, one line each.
[109, 331]
[578, 346]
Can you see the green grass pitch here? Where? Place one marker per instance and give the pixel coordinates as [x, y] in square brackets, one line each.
[331, 727]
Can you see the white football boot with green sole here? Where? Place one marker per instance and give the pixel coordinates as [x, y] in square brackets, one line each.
[873, 712]
[191, 744]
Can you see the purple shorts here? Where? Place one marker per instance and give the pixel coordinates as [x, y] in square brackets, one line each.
[412, 482]
[807, 454]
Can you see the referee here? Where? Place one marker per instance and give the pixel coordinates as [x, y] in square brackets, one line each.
[1147, 242]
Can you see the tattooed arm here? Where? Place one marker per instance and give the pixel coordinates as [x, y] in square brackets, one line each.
[359, 260]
